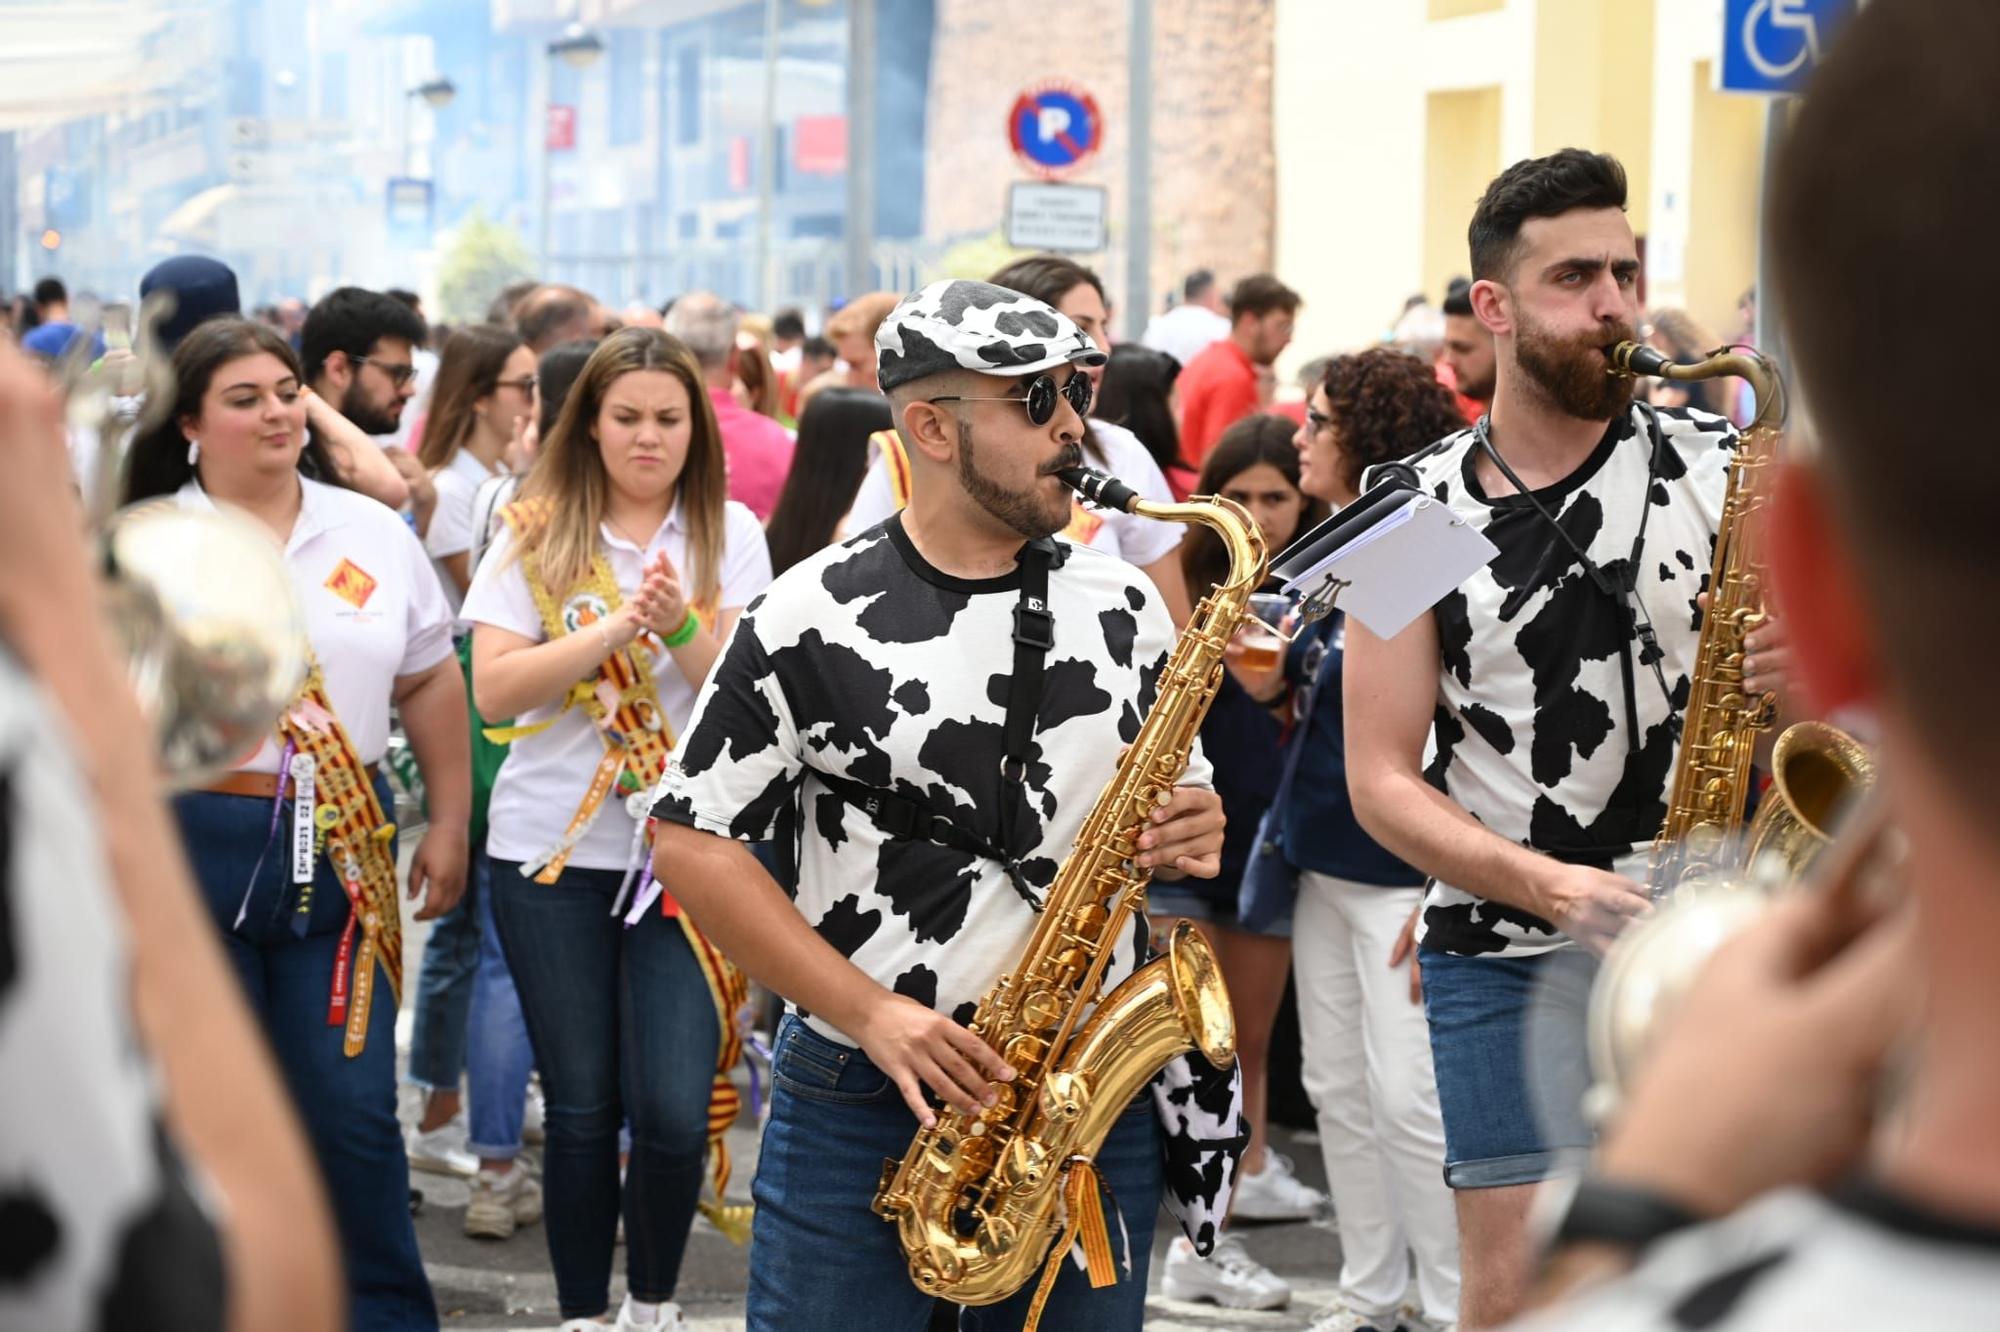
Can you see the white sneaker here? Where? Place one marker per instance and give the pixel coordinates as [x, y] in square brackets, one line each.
[1340, 1317]
[1276, 1194]
[442, 1150]
[1229, 1277]
[503, 1201]
[534, 1120]
[667, 1320]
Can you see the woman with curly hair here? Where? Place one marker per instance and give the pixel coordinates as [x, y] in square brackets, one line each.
[1367, 1063]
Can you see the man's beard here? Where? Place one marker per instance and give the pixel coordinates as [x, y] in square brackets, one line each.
[1028, 513]
[367, 417]
[1571, 374]
[1481, 391]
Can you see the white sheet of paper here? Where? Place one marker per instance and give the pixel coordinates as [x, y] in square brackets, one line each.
[1402, 566]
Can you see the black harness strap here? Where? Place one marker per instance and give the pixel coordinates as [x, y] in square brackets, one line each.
[1034, 636]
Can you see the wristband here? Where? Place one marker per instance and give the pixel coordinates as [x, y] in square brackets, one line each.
[684, 635]
[1603, 1211]
[605, 634]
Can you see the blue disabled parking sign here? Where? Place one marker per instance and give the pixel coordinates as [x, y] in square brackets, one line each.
[1771, 46]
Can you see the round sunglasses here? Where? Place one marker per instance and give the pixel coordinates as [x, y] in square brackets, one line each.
[1041, 396]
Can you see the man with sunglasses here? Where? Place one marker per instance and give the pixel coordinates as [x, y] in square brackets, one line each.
[862, 710]
[359, 351]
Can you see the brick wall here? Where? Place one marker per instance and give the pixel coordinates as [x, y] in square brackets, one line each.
[1213, 174]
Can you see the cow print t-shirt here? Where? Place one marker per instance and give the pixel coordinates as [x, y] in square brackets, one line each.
[867, 663]
[1531, 733]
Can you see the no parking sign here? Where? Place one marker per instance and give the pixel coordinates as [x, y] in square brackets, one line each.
[1054, 127]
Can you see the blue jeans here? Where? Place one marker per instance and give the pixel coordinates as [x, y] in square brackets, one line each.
[1507, 1040]
[348, 1105]
[498, 1056]
[624, 1028]
[444, 990]
[822, 1261]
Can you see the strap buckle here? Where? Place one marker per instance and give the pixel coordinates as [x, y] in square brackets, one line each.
[1034, 627]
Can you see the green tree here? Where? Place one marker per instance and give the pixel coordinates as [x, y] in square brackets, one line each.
[480, 259]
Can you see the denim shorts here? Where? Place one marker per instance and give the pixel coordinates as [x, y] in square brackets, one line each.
[1507, 1040]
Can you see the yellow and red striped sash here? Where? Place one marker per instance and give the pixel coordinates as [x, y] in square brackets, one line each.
[361, 845]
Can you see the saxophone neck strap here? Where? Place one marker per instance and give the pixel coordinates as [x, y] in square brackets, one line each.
[1623, 590]
[1034, 635]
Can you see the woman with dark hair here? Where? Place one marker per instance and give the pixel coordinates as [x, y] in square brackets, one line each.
[597, 615]
[1367, 1051]
[480, 404]
[1137, 392]
[307, 930]
[480, 400]
[1075, 291]
[827, 468]
[1255, 464]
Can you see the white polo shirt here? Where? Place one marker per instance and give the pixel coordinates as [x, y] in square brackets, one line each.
[547, 774]
[1135, 540]
[373, 607]
[450, 533]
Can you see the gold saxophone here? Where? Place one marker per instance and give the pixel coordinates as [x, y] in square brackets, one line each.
[978, 1199]
[1816, 770]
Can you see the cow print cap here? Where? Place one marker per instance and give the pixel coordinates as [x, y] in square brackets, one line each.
[957, 324]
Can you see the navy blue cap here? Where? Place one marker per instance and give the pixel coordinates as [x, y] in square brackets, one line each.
[202, 287]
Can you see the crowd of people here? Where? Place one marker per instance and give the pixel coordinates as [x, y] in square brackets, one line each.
[698, 629]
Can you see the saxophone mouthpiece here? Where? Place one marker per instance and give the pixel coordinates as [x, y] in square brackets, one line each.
[1636, 358]
[1106, 491]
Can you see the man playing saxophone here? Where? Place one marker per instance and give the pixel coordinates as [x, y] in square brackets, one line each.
[860, 715]
[1553, 681]
[1761, 1108]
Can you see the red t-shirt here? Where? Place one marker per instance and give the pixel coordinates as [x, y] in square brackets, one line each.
[1218, 389]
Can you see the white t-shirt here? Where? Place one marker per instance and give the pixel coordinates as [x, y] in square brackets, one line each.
[1185, 331]
[865, 662]
[547, 774]
[1531, 733]
[451, 533]
[1135, 540]
[1857, 1261]
[373, 607]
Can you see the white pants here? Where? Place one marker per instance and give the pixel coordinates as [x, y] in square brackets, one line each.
[1367, 1068]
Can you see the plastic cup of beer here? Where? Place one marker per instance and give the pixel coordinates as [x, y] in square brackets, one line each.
[1263, 648]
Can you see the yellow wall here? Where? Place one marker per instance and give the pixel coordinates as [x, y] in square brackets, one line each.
[1461, 155]
[1594, 86]
[1450, 9]
[1722, 201]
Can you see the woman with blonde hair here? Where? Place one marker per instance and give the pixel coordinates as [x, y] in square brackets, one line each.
[597, 614]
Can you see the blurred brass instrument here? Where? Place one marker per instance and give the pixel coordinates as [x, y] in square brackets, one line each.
[1709, 877]
[201, 602]
[978, 1200]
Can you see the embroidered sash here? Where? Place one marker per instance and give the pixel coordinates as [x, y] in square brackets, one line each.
[620, 699]
[360, 844]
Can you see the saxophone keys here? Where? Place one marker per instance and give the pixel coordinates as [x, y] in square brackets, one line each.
[1040, 1010]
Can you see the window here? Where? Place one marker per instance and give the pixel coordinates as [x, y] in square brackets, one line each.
[687, 96]
[627, 59]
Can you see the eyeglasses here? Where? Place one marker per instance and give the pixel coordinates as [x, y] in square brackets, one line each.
[526, 383]
[1041, 396]
[399, 372]
[1317, 420]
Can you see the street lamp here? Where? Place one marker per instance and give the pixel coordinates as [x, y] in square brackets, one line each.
[579, 48]
[437, 93]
